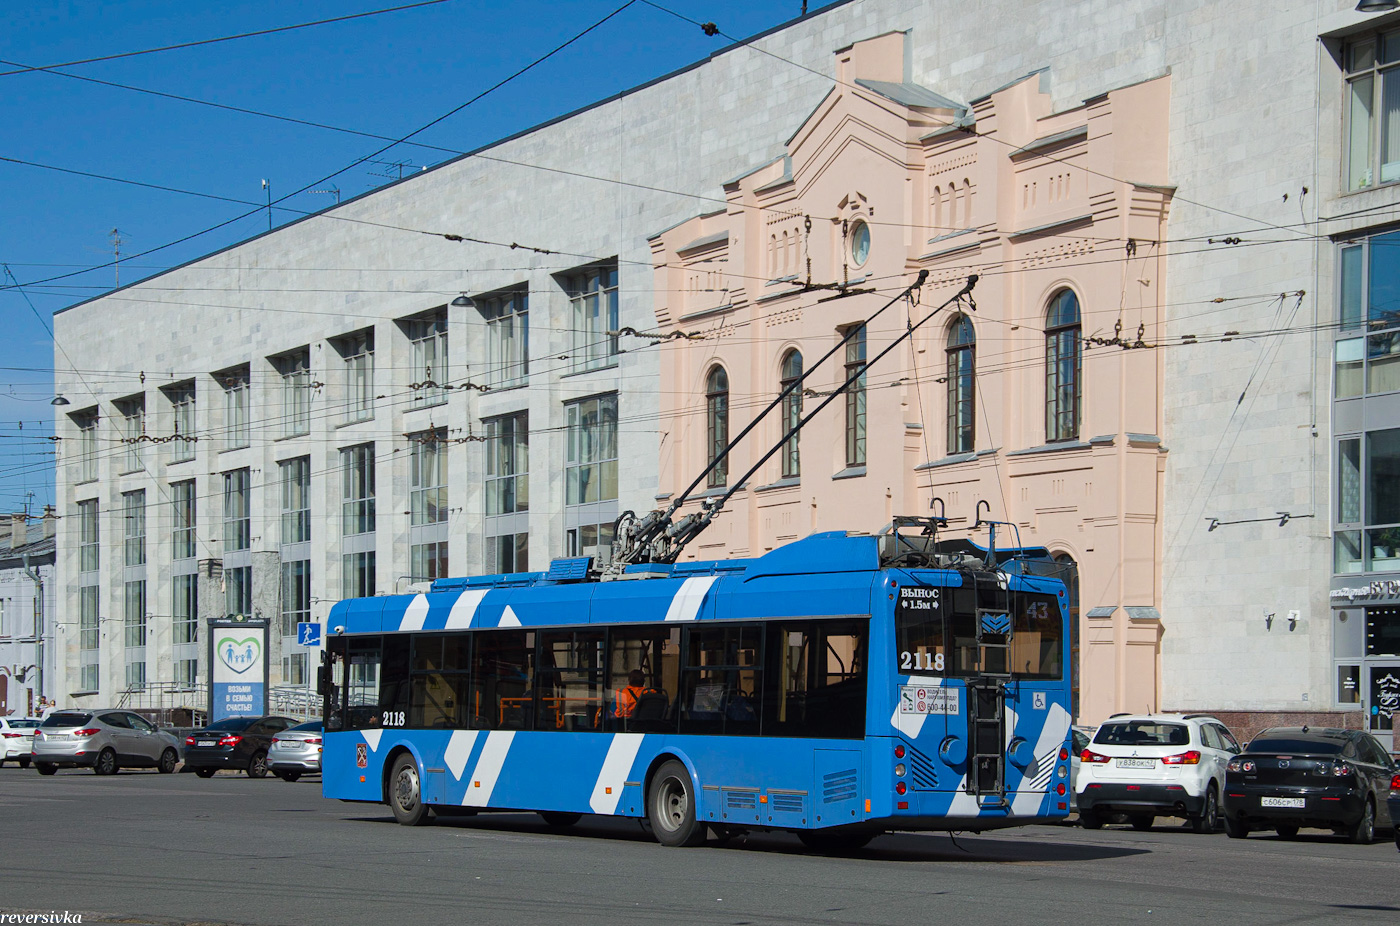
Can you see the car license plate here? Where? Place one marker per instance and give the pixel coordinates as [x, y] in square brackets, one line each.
[205, 743]
[1295, 802]
[1136, 763]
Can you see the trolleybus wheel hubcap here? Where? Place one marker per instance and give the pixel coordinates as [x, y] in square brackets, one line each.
[673, 803]
[406, 788]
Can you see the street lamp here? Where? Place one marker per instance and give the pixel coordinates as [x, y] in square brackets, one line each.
[1377, 6]
[59, 400]
[465, 302]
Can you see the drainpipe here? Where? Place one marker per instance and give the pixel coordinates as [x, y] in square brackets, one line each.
[39, 632]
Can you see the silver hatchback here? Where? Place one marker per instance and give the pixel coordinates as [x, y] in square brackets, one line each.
[296, 752]
[104, 741]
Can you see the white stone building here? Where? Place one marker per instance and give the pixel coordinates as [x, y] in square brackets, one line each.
[26, 605]
[273, 339]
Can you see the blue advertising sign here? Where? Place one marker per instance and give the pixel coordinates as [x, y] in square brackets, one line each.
[308, 634]
[238, 659]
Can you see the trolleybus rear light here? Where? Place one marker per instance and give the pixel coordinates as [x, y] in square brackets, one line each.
[1064, 753]
[1060, 788]
[903, 805]
[899, 751]
[899, 770]
[900, 787]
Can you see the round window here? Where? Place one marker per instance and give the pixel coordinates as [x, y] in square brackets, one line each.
[860, 243]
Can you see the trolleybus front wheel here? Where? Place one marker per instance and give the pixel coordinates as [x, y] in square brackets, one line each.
[671, 807]
[406, 793]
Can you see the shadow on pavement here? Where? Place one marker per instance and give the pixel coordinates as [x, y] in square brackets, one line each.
[890, 847]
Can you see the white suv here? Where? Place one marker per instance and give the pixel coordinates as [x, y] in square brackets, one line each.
[1150, 765]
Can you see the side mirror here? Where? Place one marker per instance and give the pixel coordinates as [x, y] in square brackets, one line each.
[322, 681]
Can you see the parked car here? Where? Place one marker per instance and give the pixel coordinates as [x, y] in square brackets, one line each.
[235, 742]
[103, 740]
[1151, 765]
[1292, 777]
[296, 752]
[1080, 737]
[1393, 804]
[16, 740]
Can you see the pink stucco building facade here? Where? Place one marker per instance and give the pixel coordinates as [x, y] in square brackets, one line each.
[1019, 404]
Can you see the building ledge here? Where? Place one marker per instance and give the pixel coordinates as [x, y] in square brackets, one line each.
[1142, 613]
[1103, 440]
[787, 482]
[706, 313]
[1072, 222]
[955, 458]
[1055, 447]
[850, 472]
[1102, 611]
[1049, 141]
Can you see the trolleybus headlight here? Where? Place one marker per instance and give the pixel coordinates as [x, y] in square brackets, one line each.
[900, 788]
[899, 770]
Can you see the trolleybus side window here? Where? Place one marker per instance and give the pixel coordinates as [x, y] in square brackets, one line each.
[1037, 632]
[721, 684]
[439, 681]
[656, 653]
[362, 684]
[570, 680]
[816, 679]
[503, 679]
[918, 625]
[394, 681]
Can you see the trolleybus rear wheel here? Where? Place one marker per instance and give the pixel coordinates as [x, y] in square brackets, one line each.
[671, 807]
[406, 793]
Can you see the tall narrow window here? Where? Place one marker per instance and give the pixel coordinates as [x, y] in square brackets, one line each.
[184, 612]
[962, 363]
[507, 318]
[296, 596]
[88, 558]
[590, 475]
[792, 412]
[357, 490]
[237, 427]
[89, 637]
[428, 336]
[717, 425]
[1372, 143]
[507, 492]
[134, 534]
[427, 497]
[238, 591]
[295, 370]
[1062, 368]
[357, 573]
[182, 503]
[134, 623]
[428, 478]
[855, 399]
[86, 424]
[296, 500]
[593, 301]
[237, 511]
[182, 425]
[133, 412]
[357, 352]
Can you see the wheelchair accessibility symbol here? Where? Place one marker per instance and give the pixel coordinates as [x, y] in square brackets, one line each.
[1038, 701]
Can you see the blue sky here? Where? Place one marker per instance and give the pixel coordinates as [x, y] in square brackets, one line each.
[386, 74]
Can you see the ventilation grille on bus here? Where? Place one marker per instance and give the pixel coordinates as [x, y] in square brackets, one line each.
[839, 786]
[923, 772]
[740, 800]
[785, 803]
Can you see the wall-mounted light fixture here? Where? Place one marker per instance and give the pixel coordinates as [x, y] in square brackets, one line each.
[59, 400]
[1377, 6]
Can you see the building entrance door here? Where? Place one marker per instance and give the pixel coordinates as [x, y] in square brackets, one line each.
[1383, 701]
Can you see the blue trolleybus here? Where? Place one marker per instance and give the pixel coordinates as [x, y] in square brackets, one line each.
[837, 687]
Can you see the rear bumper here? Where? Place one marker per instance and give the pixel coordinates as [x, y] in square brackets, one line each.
[1325, 808]
[290, 764]
[1161, 800]
[63, 759]
[196, 758]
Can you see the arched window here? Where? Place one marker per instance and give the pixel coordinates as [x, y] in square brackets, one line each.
[717, 424]
[1062, 368]
[962, 367]
[792, 412]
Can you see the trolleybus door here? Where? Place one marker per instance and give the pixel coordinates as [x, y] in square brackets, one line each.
[986, 701]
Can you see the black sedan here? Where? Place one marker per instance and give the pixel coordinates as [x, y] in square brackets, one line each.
[1291, 777]
[239, 743]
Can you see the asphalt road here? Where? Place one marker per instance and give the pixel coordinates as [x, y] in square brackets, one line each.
[174, 849]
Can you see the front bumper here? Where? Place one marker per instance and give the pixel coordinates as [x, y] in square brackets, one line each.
[1157, 799]
[1322, 807]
